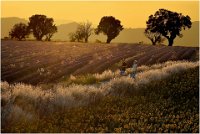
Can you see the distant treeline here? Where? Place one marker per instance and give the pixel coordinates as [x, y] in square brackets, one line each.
[164, 24]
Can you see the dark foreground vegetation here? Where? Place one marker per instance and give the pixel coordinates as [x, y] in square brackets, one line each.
[168, 105]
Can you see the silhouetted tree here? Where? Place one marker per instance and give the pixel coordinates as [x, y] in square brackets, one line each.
[19, 31]
[85, 30]
[110, 27]
[49, 35]
[154, 37]
[41, 26]
[169, 24]
[50, 29]
[77, 36]
[82, 32]
[72, 37]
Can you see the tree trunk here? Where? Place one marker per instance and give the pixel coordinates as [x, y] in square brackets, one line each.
[20, 38]
[153, 42]
[39, 38]
[86, 40]
[108, 40]
[170, 41]
[48, 37]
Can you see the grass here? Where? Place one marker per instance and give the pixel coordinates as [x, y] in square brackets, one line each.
[84, 79]
[155, 71]
[165, 105]
[162, 106]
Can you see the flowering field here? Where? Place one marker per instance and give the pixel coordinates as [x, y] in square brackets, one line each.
[35, 62]
[163, 98]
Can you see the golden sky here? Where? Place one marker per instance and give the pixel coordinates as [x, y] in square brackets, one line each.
[131, 13]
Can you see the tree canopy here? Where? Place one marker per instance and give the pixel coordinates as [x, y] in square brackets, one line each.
[19, 31]
[109, 26]
[169, 24]
[50, 29]
[83, 32]
[85, 29]
[40, 25]
[155, 38]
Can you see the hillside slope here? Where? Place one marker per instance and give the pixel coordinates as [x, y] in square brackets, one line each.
[43, 62]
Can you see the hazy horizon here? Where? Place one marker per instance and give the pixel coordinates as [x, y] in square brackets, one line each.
[63, 22]
[132, 14]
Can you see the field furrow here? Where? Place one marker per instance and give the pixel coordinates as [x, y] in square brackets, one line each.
[47, 62]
